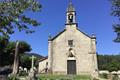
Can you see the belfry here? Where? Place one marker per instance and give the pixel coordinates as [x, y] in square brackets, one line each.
[71, 14]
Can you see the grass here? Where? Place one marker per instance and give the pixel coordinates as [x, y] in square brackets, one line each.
[64, 77]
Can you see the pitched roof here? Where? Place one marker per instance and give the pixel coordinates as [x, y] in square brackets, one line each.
[92, 37]
[58, 34]
[84, 33]
[43, 59]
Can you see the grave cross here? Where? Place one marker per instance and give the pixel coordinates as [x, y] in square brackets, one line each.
[32, 62]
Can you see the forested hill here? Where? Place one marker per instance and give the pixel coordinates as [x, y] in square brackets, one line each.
[109, 62]
[34, 54]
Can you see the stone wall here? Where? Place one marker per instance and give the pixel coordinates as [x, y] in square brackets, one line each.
[42, 66]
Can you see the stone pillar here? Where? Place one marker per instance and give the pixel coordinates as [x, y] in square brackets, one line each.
[16, 59]
[94, 56]
[50, 56]
[32, 62]
[31, 75]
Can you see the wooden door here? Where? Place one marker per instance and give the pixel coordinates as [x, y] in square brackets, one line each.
[71, 67]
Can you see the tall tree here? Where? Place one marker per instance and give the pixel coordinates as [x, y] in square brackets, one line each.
[116, 13]
[109, 62]
[3, 43]
[12, 15]
[20, 47]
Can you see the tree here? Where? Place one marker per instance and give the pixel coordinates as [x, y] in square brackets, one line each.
[7, 50]
[25, 61]
[116, 13]
[113, 66]
[3, 55]
[109, 62]
[12, 15]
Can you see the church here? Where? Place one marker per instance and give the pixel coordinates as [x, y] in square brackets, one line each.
[71, 51]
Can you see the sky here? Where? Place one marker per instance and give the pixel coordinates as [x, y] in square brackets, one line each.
[93, 16]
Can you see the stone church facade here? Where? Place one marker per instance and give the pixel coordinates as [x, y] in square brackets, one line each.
[71, 51]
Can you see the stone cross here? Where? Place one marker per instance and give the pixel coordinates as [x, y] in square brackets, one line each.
[32, 72]
[32, 62]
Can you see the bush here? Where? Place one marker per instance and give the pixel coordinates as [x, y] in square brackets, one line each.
[115, 77]
[23, 73]
[12, 78]
[104, 75]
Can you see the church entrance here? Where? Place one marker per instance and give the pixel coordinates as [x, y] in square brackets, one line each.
[71, 66]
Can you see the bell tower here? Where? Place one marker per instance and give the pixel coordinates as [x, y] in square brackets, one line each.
[70, 14]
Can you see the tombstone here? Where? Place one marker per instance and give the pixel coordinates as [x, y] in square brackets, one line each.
[20, 69]
[25, 69]
[31, 75]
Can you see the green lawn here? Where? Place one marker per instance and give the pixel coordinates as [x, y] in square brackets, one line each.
[64, 77]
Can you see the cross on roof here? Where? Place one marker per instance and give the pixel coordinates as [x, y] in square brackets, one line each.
[70, 6]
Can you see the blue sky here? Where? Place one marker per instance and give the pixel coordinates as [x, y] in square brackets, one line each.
[93, 16]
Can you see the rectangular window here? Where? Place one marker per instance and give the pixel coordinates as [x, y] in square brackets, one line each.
[70, 43]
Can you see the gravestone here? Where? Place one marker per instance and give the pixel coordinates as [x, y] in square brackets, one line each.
[31, 75]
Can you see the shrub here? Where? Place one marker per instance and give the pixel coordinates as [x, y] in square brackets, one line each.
[23, 73]
[12, 78]
[104, 75]
[115, 77]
